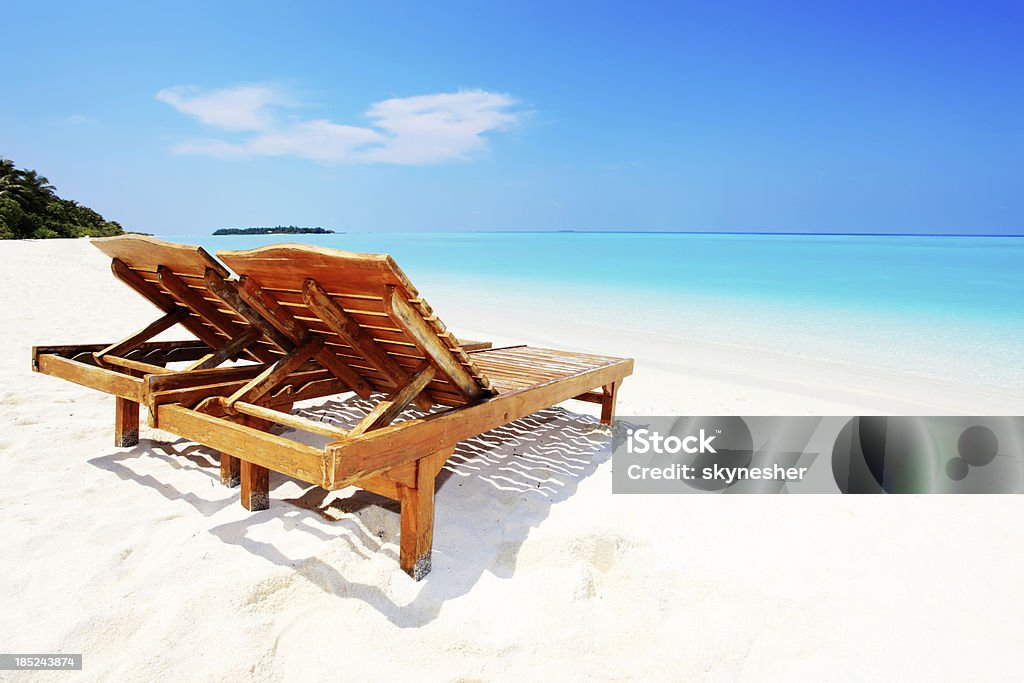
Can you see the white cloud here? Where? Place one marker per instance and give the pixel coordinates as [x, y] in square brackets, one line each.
[411, 130]
[242, 108]
[431, 128]
[317, 140]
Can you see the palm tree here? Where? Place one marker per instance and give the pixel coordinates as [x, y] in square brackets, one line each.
[39, 183]
[8, 178]
[31, 190]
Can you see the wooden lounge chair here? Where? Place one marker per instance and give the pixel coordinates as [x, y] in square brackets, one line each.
[193, 290]
[372, 333]
[183, 282]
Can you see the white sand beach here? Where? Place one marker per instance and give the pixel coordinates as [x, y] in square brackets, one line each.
[139, 559]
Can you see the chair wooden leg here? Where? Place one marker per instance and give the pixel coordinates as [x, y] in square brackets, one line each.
[417, 516]
[417, 529]
[230, 470]
[126, 422]
[254, 479]
[608, 402]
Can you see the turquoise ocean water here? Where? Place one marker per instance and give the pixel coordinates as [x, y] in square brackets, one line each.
[950, 307]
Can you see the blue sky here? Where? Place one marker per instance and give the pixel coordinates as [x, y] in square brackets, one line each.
[813, 116]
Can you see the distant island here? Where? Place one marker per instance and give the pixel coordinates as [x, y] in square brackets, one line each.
[277, 230]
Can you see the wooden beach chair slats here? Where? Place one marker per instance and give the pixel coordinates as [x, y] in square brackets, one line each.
[368, 310]
[163, 301]
[295, 328]
[385, 412]
[205, 376]
[229, 351]
[518, 367]
[168, 320]
[427, 339]
[175, 272]
[373, 319]
[334, 269]
[359, 340]
[376, 451]
[304, 384]
[363, 288]
[148, 254]
[206, 332]
[274, 374]
[156, 352]
[194, 301]
[219, 285]
[293, 331]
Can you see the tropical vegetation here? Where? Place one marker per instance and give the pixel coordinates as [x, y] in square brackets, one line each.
[31, 208]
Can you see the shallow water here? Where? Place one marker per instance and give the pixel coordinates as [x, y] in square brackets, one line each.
[945, 307]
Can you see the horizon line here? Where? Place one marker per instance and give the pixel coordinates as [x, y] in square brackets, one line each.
[772, 232]
[659, 232]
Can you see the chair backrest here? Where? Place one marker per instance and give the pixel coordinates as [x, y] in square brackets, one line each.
[173, 275]
[368, 312]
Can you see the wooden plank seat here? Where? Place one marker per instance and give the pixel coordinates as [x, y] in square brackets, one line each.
[369, 331]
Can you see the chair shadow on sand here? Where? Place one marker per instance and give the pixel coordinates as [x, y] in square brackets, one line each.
[494, 489]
